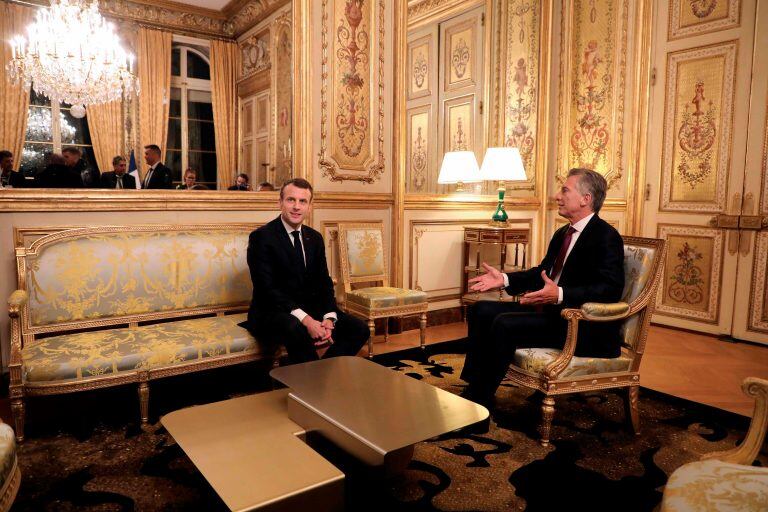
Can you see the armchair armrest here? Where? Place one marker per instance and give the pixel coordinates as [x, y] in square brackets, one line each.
[16, 301]
[604, 312]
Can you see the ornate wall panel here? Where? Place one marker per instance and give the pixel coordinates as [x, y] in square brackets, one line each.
[352, 90]
[282, 85]
[419, 172]
[764, 167]
[459, 120]
[421, 79]
[694, 17]
[254, 55]
[698, 119]
[168, 16]
[758, 314]
[517, 81]
[459, 57]
[437, 272]
[692, 273]
[592, 87]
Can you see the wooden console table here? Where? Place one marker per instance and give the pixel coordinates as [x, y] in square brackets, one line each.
[512, 244]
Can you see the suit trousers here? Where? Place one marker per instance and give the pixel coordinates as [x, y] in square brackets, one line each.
[496, 330]
[349, 336]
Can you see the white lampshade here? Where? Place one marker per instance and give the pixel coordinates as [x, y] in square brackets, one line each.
[503, 164]
[459, 167]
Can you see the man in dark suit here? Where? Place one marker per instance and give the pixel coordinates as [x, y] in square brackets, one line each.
[584, 263]
[9, 177]
[293, 300]
[73, 158]
[158, 175]
[118, 178]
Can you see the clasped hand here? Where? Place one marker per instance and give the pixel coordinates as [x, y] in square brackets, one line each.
[321, 332]
[494, 279]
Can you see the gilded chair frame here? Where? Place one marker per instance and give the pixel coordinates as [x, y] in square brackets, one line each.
[372, 314]
[23, 333]
[549, 382]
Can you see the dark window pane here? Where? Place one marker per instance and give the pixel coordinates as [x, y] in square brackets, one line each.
[39, 125]
[73, 130]
[175, 106]
[199, 105]
[174, 134]
[34, 158]
[205, 165]
[176, 62]
[39, 99]
[201, 136]
[197, 67]
[173, 162]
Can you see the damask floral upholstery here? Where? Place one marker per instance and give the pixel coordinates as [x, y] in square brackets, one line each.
[535, 360]
[713, 485]
[97, 353]
[8, 461]
[365, 250]
[378, 297]
[125, 273]
[638, 261]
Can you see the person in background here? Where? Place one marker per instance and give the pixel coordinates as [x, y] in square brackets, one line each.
[241, 183]
[265, 186]
[190, 178]
[117, 178]
[158, 175]
[73, 158]
[57, 174]
[10, 178]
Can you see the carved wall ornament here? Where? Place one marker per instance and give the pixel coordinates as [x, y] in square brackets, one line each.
[250, 15]
[696, 136]
[352, 112]
[685, 279]
[164, 16]
[694, 17]
[702, 8]
[255, 55]
[459, 138]
[460, 58]
[420, 70]
[419, 160]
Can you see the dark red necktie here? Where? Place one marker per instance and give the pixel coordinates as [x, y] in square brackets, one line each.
[563, 251]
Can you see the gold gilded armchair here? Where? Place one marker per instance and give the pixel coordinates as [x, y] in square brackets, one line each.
[557, 372]
[364, 260]
[726, 480]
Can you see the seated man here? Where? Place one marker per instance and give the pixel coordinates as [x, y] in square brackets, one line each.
[9, 177]
[117, 178]
[293, 301]
[584, 263]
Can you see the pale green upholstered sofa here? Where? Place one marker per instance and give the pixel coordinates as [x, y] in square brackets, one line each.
[93, 305]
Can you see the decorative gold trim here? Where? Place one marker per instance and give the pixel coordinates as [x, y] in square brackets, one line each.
[757, 292]
[11, 486]
[425, 12]
[328, 165]
[251, 14]
[168, 15]
[675, 31]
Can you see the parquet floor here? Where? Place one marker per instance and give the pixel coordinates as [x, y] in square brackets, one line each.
[693, 366]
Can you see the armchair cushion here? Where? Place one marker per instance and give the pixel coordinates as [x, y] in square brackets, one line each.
[89, 354]
[713, 485]
[7, 454]
[378, 297]
[365, 249]
[535, 360]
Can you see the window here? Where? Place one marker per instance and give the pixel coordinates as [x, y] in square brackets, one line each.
[191, 139]
[50, 128]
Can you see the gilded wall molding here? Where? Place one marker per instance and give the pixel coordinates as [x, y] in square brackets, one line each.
[351, 110]
[758, 313]
[421, 12]
[255, 55]
[251, 14]
[693, 18]
[168, 15]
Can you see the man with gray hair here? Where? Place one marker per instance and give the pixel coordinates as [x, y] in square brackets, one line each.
[117, 178]
[584, 263]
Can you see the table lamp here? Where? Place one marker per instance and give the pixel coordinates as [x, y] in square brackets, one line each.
[502, 164]
[459, 167]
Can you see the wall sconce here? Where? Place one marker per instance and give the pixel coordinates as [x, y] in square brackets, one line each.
[502, 164]
[459, 167]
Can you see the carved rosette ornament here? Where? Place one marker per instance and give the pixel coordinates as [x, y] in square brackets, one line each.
[420, 70]
[460, 58]
[696, 137]
[352, 112]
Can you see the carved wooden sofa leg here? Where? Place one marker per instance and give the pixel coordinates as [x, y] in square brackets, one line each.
[547, 412]
[423, 330]
[630, 406]
[372, 329]
[144, 397]
[17, 408]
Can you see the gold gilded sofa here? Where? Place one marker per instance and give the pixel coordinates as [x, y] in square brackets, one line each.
[104, 306]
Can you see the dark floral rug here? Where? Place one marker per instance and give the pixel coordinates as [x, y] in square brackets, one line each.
[86, 451]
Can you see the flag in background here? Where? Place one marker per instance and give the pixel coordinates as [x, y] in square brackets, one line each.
[133, 170]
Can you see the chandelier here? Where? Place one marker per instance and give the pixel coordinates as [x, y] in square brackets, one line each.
[72, 55]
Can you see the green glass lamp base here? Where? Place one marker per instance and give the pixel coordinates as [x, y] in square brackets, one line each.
[500, 216]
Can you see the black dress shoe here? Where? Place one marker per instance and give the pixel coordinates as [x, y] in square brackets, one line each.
[485, 399]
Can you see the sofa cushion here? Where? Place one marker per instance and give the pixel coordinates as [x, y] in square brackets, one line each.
[713, 485]
[7, 453]
[98, 353]
[535, 360]
[378, 297]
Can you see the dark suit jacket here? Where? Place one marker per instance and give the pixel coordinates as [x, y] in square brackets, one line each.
[109, 180]
[161, 178]
[593, 272]
[278, 284]
[14, 179]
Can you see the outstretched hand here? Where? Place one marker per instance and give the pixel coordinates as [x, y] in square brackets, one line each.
[491, 280]
[547, 295]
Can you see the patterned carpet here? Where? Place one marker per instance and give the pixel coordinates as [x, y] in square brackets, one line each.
[86, 452]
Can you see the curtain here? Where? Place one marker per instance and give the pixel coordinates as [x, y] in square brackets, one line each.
[105, 122]
[154, 59]
[224, 99]
[14, 99]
